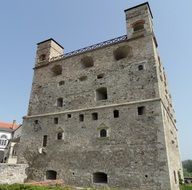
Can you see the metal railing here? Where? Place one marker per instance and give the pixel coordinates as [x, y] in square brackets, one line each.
[95, 46]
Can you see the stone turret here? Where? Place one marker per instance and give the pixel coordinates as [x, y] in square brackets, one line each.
[46, 50]
[139, 20]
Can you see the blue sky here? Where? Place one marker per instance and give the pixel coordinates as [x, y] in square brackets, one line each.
[80, 23]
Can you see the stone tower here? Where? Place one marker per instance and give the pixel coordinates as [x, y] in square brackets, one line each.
[103, 115]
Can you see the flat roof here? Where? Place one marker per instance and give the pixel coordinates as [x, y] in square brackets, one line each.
[146, 3]
[50, 39]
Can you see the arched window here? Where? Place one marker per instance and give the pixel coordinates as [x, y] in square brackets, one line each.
[122, 52]
[103, 133]
[57, 70]
[140, 67]
[100, 177]
[59, 136]
[4, 136]
[51, 175]
[87, 62]
[42, 57]
[138, 25]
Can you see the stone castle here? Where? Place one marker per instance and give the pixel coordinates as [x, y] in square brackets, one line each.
[103, 115]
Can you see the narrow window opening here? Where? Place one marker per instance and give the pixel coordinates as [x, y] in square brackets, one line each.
[44, 140]
[100, 76]
[95, 116]
[175, 177]
[51, 175]
[59, 136]
[141, 110]
[101, 93]
[87, 62]
[61, 83]
[57, 70]
[100, 177]
[103, 133]
[60, 102]
[81, 117]
[68, 115]
[56, 120]
[116, 113]
[4, 136]
[140, 67]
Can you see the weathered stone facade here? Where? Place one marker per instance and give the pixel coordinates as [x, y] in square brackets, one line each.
[102, 116]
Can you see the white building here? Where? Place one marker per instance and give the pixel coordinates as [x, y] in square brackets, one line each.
[11, 150]
[6, 132]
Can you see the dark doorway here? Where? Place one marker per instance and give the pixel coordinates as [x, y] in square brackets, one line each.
[100, 177]
[51, 175]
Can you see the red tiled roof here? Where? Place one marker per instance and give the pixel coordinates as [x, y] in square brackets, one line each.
[8, 125]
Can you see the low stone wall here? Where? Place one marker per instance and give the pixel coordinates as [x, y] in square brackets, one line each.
[12, 173]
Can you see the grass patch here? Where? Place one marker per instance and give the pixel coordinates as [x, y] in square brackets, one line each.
[31, 187]
[185, 187]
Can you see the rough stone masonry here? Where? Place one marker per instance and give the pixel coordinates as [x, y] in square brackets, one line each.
[103, 115]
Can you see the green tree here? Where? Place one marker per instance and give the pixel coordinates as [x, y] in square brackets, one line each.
[187, 168]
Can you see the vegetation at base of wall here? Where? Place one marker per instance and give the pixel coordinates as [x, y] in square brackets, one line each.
[32, 187]
[187, 168]
[185, 187]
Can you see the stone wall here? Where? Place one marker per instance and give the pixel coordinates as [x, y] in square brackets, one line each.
[12, 173]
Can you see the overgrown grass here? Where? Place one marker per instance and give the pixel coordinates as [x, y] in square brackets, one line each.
[186, 187]
[31, 187]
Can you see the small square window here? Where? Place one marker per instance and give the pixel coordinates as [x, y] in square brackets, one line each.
[140, 67]
[100, 76]
[61, 83]
[36, 121]
[141, 110]
[68, 115]
[81, 117]
[94, 116]
[56, 120]
[101, 93]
